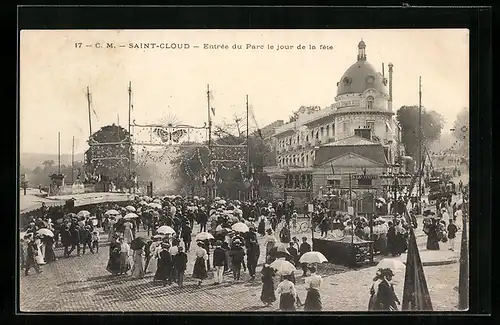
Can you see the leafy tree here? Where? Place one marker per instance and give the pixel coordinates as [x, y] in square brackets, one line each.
[48, 163]
[461, 131]
[432, 125]
[115, 164]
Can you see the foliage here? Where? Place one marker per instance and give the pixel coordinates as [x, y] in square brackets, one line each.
[193, 163]
[432, 125]
[117, 169]
[461, 130]
[40, 176]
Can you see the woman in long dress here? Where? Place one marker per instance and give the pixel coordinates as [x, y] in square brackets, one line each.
[382, 295]
[200, 269]
[287, 293]
[313, 298]
[39, 257]
[155, 249]
[138, 266]
[50, 256]
[113, 266]
[262, 226]
[124, 256]
[432, 235]
[127, 232]
[270, 241]
[267, 296]
[162, 264]
[111, 228]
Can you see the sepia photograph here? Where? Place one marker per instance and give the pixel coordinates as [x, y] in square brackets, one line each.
[228, 170]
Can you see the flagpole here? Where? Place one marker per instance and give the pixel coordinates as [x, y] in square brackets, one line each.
[88, 105]
[420, 167]
[129, 134]
[248, 152]
[73, 161]
[59, 152]
[209, 191]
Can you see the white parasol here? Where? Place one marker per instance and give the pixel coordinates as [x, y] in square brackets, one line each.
[131, 216]
[240, 227]
[204, 236]
[313, 257]
[163, 230]
[283, 267]
[45, 232]
[112, 212]
[83, 213]
[130, 208]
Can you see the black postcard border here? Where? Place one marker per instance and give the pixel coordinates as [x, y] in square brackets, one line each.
[478, 20]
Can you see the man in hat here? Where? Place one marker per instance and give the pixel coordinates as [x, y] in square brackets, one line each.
[180, 265]
[186, 236]
[218, 262]
[237, 258]
[86, 238]
[253, 253]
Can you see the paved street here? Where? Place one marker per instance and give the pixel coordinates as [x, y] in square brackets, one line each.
[83, 284]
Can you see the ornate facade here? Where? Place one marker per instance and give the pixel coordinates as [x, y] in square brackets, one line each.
[362, 109]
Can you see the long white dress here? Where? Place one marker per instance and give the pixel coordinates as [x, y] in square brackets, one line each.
[155, 250]
[39, 257]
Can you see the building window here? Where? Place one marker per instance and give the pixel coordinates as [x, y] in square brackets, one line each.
[364, 133]
[333, 182]
[365, 182]
[344, 127]
[370, 125]
[328, 130]
[369, 102]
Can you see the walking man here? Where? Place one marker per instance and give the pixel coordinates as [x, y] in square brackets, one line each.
[452, 231]
[218, 262]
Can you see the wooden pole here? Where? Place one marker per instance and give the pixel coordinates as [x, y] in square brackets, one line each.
[463, 285]
[248, 152]
[129, 134]
[73, 161]
[59, 152]
[420, 167]
[88, 106]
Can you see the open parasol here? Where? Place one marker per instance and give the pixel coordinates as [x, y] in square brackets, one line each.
[279, 251]
[283, 267]
[45, 232]
[164, 230]
[130, 208]
[391, 263]
[313, 257]
[83, 213]
[204, 236]
[131, 215]
[240, 227]
[112, 212]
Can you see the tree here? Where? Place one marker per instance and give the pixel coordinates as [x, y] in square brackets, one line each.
[432, 125]
[48, 163]
[115, 164]
[461, 131]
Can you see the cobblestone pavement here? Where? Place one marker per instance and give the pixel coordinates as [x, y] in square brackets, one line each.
[82, 284]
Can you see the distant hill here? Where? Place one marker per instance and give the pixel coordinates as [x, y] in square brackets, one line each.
[32, 160]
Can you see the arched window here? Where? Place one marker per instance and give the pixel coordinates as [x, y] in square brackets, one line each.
[369, 102]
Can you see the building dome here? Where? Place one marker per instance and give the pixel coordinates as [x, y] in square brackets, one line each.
[361, 76]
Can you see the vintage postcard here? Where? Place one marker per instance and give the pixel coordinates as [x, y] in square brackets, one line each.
[243, 170]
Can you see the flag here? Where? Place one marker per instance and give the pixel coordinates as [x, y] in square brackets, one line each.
[260, 133]
[415, 293]
[213, 110]
[211, 95]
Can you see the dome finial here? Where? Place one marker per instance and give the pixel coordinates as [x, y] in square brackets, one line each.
[361, 51]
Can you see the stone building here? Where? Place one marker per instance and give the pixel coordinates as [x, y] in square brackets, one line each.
[358, 133]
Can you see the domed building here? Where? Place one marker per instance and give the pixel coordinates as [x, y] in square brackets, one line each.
[358, 134]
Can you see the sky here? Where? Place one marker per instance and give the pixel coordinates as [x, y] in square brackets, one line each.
[172, 83]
